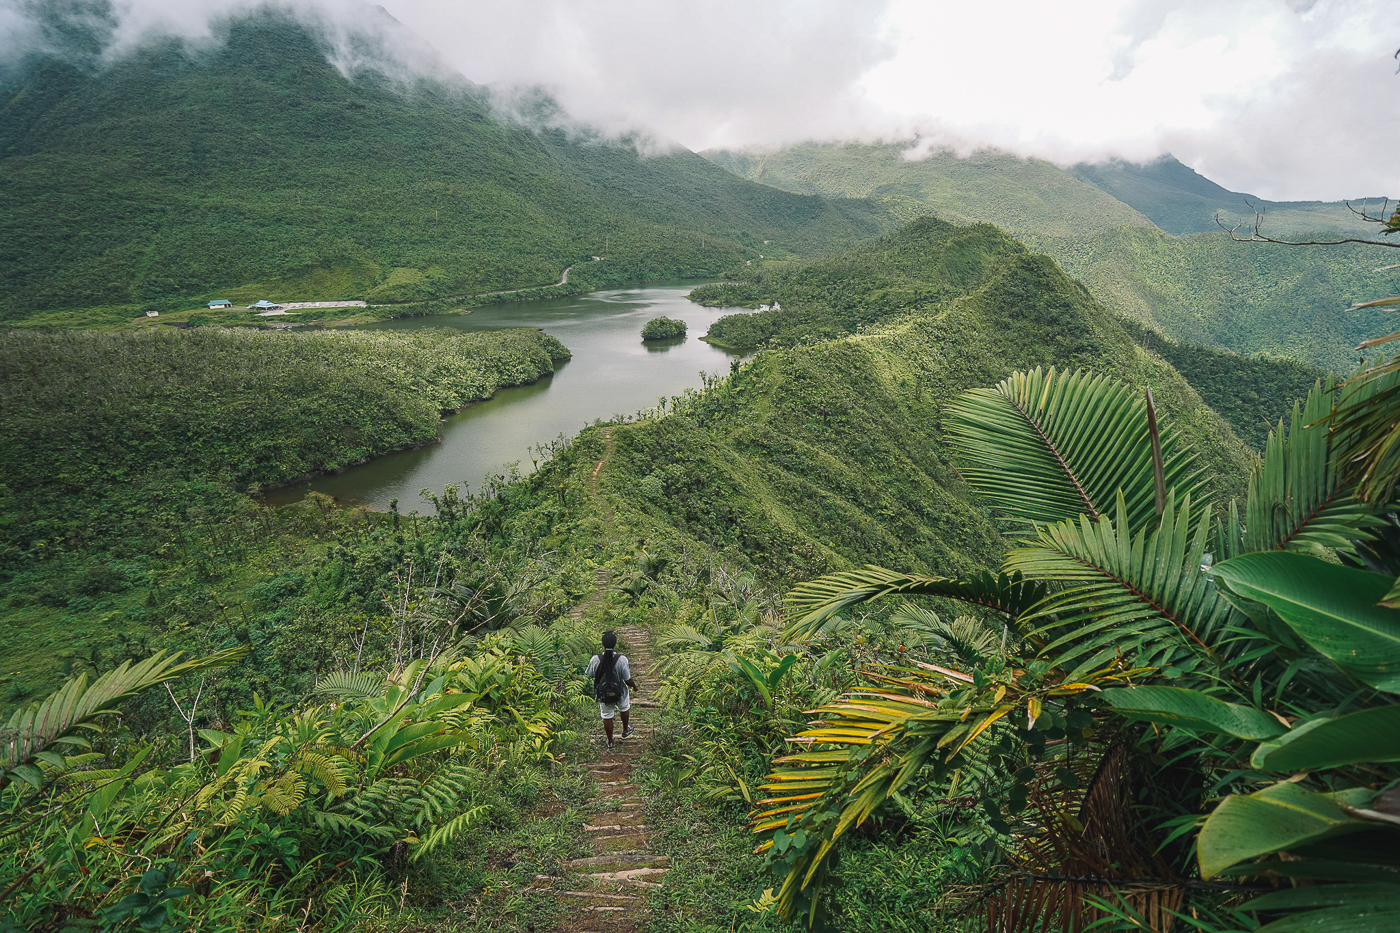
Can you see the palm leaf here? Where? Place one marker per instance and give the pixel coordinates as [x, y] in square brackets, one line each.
[36, 729]
[343, 684]
[1367, 422]
[813, 603]
[1140, 595]
[1298, 498]
[1046, 447]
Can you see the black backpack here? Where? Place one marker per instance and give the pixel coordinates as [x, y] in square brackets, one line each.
[607, 685]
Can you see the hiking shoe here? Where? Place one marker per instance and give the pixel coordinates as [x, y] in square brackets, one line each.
[628, 732]
[611, 744]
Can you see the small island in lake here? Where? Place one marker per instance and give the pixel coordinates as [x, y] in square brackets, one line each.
[663, 328]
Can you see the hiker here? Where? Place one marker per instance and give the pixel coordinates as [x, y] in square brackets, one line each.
[612, 685]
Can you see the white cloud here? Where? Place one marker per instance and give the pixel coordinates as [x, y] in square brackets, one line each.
[1284, 98]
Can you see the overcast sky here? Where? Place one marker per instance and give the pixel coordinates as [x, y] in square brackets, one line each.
[1286, 99]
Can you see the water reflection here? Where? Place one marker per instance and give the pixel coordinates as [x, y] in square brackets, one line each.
[612, 372]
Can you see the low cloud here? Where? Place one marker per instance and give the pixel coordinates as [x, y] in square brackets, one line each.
[1289, 99]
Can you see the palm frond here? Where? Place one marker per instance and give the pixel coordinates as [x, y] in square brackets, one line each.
[816, 601]
[1046, 447]
[1142, 596]
[1367, 422]
[348, 686]
[34, 730]
[1298, 497]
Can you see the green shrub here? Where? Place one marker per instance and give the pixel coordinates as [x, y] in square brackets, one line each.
[663, 328]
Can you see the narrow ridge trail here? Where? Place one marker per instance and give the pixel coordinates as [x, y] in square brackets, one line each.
[606, 892]
[601, 588]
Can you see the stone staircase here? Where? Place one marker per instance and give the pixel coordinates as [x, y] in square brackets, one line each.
[606, 892]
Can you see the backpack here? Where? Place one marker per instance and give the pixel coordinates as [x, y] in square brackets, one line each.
[607, 685]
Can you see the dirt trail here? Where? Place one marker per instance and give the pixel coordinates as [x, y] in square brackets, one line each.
[606, 892]
[601, 588]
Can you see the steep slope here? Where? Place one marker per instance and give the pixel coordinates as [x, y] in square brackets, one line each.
[1203, 288]
[253, 168]
[828, 453]
[1180, 200]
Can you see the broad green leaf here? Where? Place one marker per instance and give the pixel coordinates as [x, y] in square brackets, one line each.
[1371, 735]
[1334, 609]
[1189, 709]
[1277, 817]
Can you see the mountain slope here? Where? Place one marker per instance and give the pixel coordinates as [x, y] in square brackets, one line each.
[1180, 201]
[1201, 288]
[828, 453]
[254, 168]
[1021, 196]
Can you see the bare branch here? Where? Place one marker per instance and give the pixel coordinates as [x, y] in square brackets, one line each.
[1257, 235]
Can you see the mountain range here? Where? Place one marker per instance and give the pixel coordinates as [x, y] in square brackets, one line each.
[253, 167]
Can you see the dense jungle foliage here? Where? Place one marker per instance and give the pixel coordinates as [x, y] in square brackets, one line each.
[252, 168]
[1202, 289]
[127, 451]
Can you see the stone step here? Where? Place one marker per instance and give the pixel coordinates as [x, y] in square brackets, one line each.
[635, 876]
[616, 828]
[600, 896]
[594, 861]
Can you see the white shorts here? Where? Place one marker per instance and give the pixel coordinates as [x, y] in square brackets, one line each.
[608, 710]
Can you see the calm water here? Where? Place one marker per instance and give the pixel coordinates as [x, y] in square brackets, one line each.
[612, 372]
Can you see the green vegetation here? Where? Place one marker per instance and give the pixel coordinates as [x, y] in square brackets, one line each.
[254, 169]
[663, 328]
[1249, 298]
[1202, 289]
[126, 454]
[1252, 393]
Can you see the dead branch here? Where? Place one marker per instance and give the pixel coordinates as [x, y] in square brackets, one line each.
[1257, 235]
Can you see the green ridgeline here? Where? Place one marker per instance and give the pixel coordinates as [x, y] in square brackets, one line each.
[824, 454]
[254, 169]
[1251, 298]
[920, 265]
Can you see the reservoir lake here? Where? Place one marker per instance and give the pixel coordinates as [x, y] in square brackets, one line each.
[612, 373]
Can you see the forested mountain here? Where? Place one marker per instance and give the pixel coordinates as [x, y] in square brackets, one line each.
[1179, 200]
[253, 168]
[1199, 288]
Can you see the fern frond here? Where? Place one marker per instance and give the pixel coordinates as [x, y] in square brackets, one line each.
[1298, 497]
[348, 686]
[1141, 596]
[36, 729]
[449, 831]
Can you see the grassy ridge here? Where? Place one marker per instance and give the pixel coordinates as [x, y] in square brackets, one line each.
[254, 169]
[1019, 195]
[1180, 201]
[1251, 298]
[827, 453]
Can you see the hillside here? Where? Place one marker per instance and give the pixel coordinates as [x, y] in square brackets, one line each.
[253, 168]
[826, 452]
[1202, 288]
[1022, 196]
[1179, 200]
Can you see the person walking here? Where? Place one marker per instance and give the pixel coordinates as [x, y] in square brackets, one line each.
[612, 685]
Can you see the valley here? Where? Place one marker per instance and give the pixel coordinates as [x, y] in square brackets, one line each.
[994, 547]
